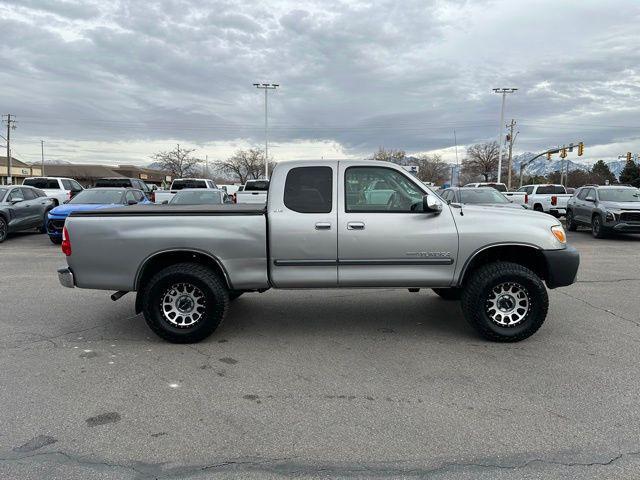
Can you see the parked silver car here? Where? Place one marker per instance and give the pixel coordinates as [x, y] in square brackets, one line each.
[478, 196]
[23, 208]
[605, 209]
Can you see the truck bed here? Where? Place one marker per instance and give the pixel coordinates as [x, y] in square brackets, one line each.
[111, 246]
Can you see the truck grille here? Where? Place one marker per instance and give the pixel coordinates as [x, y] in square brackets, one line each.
[55, 225]
[630, 216]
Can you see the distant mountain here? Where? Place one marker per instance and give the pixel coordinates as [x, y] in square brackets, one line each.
[541, 166]
[55, 162]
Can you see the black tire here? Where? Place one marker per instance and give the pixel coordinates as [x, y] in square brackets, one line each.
[43, 228]
[448, 293]
[206, 287]
[597, 229]
[56, 240]
[476, 298]
[233, 294]
[4, 229]
[572, 226]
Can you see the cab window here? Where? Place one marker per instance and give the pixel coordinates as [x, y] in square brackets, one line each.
[380, 189]
[309, 189]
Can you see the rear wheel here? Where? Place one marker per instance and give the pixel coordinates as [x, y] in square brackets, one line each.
[572, 226]
[184, 303]
[538, 208]
[448, 293]
[43, 228]
[505, 302]
[4, 229]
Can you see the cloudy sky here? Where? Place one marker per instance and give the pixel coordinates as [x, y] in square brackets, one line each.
[113, 82]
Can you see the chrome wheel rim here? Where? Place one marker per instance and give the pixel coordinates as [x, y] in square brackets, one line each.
[508, 304]
[596, 225]
[183, 305]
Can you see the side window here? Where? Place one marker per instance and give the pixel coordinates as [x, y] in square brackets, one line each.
[139, 196]
[66, 184]
[28, 194]
[446, 195]
[582, 193]
[309, 189]
[129, 196]
[76, 185]
[529, 190]
[16, 195]
[380, 189]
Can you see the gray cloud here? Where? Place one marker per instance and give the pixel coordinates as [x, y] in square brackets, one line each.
[361, 73]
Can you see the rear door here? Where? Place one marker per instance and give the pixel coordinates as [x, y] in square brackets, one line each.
[35, 208]
[302, 226]
[387, 240]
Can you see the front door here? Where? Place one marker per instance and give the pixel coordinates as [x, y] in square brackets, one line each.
[21, 210]
[384, 237]
[302, 226]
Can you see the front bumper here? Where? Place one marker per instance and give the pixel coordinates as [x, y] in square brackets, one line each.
[625, 227]
[55, 226]
[65, 277]
[562, 266]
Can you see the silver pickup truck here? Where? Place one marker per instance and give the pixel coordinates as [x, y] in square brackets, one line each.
[322, 228]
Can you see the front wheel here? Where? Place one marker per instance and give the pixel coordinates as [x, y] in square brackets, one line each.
[572, 226]
[597, 229]
[505, 302]
[184, 303]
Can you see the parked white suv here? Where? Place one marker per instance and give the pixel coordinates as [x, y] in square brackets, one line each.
[165, 196]
[59, 188]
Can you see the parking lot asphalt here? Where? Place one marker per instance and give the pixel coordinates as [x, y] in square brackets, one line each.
[319, 384]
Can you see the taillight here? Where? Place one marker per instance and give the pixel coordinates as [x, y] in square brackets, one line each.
[526, 198]
[153, 197]
[234, 198]
[554, 200]
[66, 242]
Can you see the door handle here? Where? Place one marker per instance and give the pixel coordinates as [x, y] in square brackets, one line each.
[355, 226]
[323, 226]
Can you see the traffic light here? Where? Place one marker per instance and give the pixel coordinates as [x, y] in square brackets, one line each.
[628, 156]
[563, 153]
[580, 149]
[548, 155]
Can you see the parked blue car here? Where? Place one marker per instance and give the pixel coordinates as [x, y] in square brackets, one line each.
[91, 199]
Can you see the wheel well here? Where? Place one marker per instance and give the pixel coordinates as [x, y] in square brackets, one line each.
[529, 257]
[162, 260]
[537, 205]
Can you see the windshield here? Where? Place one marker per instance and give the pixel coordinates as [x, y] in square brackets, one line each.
[3, 192]
[257, 186]
[180, 184]
[204, 197]
[619, 195]
[481, 195]
[96, 197]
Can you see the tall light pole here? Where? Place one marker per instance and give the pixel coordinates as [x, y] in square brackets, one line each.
[42, 157]
[266, 87]
[504, 92]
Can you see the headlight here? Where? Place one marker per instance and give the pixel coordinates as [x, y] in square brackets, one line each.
[610, 216]
[558, 232]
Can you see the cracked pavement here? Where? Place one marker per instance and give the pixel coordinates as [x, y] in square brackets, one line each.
[319, 384]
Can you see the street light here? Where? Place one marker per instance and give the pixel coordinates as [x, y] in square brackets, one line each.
[266, 87]
[504, 92]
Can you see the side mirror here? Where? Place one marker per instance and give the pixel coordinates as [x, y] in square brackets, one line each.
[131, 202]
[17, 200]
[165, 202]
[590, 199]
[431, 204]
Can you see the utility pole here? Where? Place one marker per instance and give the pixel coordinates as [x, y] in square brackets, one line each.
[42, 157]
[266, 87]
[504, 92]
[511, 142]
[206, 166]
[455, 141]
[11, 125]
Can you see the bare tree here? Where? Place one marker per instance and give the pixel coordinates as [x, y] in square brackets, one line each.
[244, 165]
[431, 168]
[481, 160]
[178, 162]
[395, 156]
